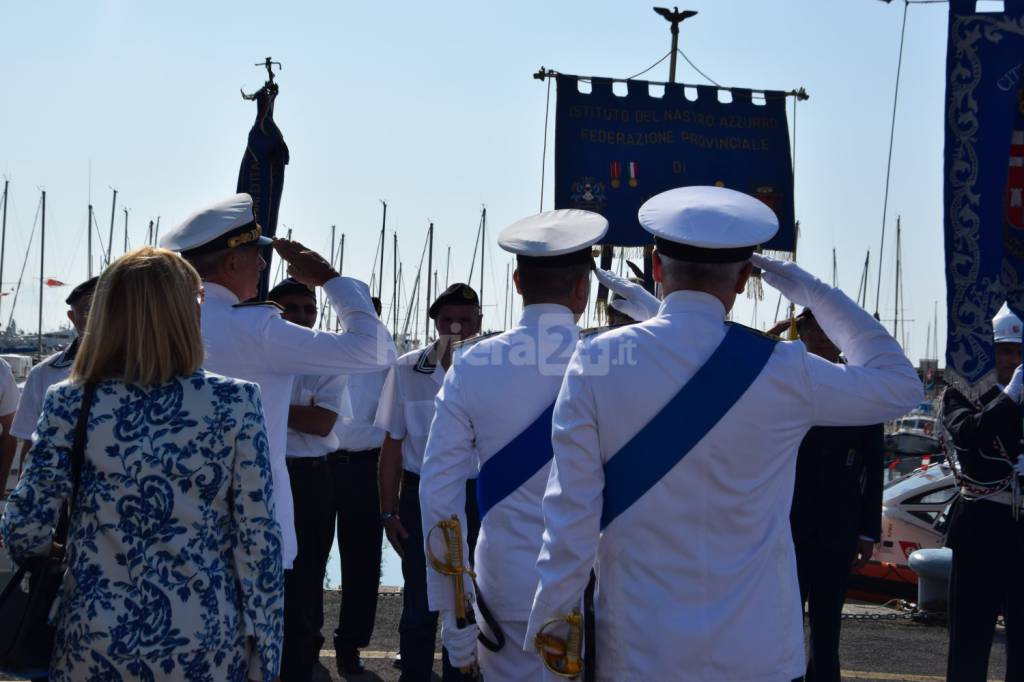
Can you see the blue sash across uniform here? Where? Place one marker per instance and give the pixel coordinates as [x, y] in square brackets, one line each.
[685, 420]
[516, 463]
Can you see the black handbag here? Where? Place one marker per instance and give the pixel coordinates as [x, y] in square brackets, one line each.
[26, 636]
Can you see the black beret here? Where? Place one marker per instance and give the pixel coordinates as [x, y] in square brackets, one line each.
[456, 294]
[290, 287]
[84, 289]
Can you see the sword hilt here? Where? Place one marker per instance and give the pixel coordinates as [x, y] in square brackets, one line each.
[563, 657]
[454, 566]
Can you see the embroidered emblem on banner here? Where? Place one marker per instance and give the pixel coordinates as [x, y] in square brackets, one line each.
[588, 194]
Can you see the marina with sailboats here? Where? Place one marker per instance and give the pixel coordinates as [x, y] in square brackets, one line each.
[410, 219]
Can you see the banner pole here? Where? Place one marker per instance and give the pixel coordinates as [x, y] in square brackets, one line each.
[674, 17]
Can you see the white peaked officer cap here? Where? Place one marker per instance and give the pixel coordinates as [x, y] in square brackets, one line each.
[1006, 326]
[707, 224]
[554, 238]
[226, 224]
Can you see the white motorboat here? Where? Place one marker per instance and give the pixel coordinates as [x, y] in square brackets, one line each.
[914, 434]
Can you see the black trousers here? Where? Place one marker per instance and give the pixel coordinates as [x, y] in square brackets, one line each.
[360, 535]
[988, 565]
[417, 629]
[312, 493]
[823, 569]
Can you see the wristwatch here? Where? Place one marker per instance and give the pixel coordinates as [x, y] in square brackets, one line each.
[387, 516]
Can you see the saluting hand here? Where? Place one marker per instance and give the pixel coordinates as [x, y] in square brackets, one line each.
[305, 265]
[636, 301]
[792, 281]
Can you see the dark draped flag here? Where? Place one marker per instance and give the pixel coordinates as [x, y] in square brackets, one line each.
[613, 152]
[262, 172]
[983, 184]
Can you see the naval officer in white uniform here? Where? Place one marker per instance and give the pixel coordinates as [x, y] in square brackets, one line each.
[251, 341]
[493, 416]
[674, 470]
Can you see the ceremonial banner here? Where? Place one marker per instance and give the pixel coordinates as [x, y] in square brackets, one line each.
[613, 153]
[984, 184]
[262, 172]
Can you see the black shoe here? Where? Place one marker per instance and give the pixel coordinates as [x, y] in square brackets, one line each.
[396, 662]
[349, 662]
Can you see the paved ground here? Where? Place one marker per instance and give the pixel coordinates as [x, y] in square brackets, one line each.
[872, 649]
[878, 645]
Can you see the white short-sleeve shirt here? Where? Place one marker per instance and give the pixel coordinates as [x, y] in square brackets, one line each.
[321, 391]
[8, 390]
[406, 405]
[354, 428]
[50, 371]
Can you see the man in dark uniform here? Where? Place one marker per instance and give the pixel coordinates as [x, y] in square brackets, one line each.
[836, 516]
[986, 528]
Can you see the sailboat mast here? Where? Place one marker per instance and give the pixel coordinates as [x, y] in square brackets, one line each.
[88, 230]
[325, 318]
[507, 318]
[447, 267]
[3, 234]
[341, 270]
[156, 232]
[380, 278]
[483, 246]
[110, 237]
[125, 250]
[430, 269]
[341, 254]
[896, 312]
[867, 270]
[42, 264]
[394, 292]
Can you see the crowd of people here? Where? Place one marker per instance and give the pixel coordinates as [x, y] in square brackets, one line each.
[562, 501]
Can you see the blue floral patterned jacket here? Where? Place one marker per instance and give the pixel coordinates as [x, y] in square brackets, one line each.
[174, 554]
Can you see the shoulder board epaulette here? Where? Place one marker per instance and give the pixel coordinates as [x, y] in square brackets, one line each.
[257, 304]
[756, 331]
[463, 345]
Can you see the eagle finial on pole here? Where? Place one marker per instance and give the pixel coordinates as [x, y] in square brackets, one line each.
[674, 17]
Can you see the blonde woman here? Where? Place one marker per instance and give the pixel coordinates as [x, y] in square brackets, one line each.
[173, 551]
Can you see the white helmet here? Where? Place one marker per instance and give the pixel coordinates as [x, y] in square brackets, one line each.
[1006, 326]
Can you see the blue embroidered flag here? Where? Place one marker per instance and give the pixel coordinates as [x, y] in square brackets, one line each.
[984, 183]
[261, 174]
[613, 153]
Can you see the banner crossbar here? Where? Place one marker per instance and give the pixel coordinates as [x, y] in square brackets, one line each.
[543, 73]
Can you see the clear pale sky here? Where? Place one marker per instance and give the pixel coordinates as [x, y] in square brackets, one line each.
[432, 107]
